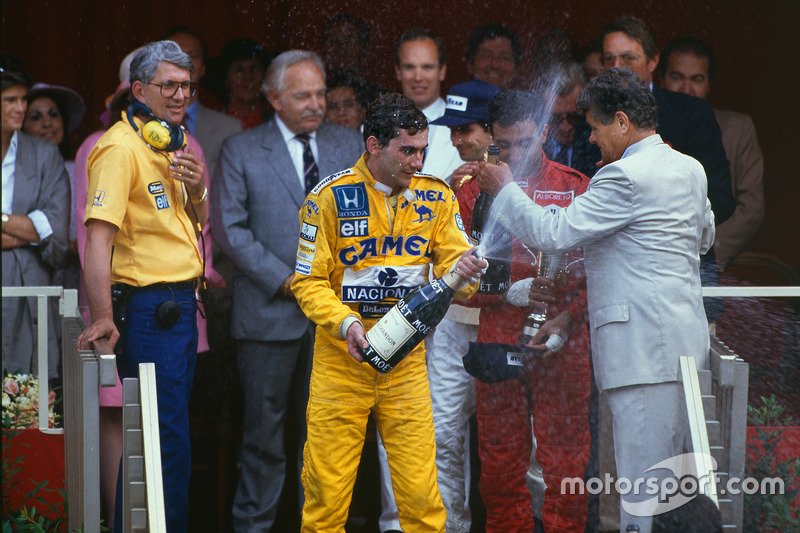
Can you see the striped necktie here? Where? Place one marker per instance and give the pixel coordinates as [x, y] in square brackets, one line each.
[310, 168]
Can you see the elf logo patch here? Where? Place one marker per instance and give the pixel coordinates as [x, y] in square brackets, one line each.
[156, 187]
[162, 202]
[354, 228]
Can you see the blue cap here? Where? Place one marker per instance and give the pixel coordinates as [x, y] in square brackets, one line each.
[467, 102]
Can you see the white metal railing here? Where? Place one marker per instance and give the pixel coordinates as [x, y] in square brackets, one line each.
[83, 372]
[752, 292]
[730, 382]
[142, 486]
[702, 467]
[67, 301]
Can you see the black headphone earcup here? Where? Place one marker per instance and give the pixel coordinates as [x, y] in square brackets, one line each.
[177, 138]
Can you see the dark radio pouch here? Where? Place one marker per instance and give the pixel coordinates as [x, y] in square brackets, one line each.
[168, 313]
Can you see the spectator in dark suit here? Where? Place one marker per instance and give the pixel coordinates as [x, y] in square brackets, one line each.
[568, 136]
[688, 66]
[686, 123]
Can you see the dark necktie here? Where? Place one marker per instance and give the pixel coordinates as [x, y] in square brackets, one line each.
[563, 155]
[310, 168]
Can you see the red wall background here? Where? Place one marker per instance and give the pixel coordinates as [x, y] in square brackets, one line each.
[79, 44]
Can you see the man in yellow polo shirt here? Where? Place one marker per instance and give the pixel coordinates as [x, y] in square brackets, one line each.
[146, 201]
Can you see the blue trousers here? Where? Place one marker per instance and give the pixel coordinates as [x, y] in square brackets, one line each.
[174, 352]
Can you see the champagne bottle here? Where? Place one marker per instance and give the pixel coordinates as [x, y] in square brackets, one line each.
[497, 276]
[400, 330]
[533, 322]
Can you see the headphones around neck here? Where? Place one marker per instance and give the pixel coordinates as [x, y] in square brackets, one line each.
[158, 134]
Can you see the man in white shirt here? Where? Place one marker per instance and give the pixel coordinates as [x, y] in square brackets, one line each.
[420, 66]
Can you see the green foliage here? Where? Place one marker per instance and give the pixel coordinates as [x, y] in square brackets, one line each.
[770, 511]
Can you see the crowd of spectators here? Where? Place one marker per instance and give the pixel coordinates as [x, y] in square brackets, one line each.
[282, 122]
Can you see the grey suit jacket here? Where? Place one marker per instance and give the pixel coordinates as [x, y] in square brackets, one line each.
[643, 222]
[255, 203]
[40, 182]
[211, 130]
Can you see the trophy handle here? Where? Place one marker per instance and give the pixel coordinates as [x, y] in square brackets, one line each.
[566, 268]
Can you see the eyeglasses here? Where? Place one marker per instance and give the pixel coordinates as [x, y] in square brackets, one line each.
[626, 58]
[169, 88]
[559, 118]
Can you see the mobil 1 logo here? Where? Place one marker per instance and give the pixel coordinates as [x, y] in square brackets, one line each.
[357, 227]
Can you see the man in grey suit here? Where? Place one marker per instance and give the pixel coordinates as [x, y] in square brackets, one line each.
[261, 183]
[643, 222]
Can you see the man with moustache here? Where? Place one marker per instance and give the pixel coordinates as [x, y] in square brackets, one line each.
[262, 181]
[145, 204]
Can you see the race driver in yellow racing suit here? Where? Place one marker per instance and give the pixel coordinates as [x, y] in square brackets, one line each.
[369, 235]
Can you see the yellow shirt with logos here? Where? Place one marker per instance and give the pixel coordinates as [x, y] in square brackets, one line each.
[130, 187]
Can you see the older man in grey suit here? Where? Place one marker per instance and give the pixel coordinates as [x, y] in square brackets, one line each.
[261, 183]
[643, 222]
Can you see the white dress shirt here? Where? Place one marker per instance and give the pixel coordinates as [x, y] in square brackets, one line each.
[296, 147]
[37, 216]
[441, 157]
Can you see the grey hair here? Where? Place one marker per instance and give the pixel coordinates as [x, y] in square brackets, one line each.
[561, 78]
[146, 61]
[273, 81]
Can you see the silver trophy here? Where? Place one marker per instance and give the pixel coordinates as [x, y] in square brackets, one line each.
[550, 266]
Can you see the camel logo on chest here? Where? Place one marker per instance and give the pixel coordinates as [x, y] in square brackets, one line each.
[424, 213]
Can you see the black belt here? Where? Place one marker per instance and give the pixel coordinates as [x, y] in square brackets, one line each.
[174, 285]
